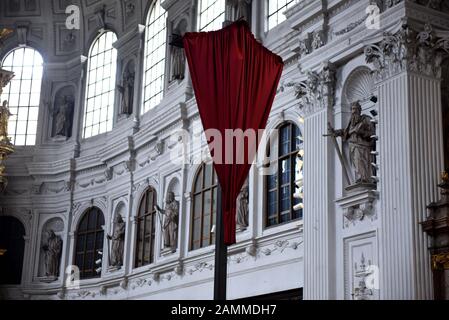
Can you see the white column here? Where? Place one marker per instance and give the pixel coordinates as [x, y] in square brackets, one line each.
[318, 217]
[316, 208]
[410, 156]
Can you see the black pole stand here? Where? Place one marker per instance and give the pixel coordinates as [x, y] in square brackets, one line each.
[221, 253]
[221, 250]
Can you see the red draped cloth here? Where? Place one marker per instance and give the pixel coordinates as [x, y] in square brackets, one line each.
[235, 80]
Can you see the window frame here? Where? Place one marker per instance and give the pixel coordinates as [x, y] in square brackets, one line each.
[7, 95]
[152, 234]
[96, 255]
[211, 22]
[292, 155]
[279, 11]
[146, 57]
[213, 188]
[110, 112]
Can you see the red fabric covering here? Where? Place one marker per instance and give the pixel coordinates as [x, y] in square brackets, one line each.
[235, 80]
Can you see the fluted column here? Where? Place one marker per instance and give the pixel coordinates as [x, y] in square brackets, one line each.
[316, 102]
[410, 156]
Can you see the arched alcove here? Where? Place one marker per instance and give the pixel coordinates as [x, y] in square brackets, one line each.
[55, 225]
[359, 86]
[62, 113]
[12, 244]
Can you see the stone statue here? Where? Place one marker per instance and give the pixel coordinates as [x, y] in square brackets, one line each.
[358, 135]
[4, 117]
[178, 63]
[62, 117]
[118, 240]
[52, 250]
[170, 225]
[242, 208]
[240, 9]
[127, 91]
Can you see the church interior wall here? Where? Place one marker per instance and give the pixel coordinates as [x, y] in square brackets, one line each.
[62, 179]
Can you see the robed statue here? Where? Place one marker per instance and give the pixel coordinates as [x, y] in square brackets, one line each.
[242, 208]
[63, 118]
[126, 89]
[118, 240]
[359, 136]
[171, 219]
[52, 249]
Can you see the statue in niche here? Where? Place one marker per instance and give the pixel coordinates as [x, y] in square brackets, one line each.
[358, 134]
[178, 63]
[242, 208]
[62, 117]
[126, 89]
[240, 9]
[118, 240]
[52, 249]
[178, 59]
[170, 224]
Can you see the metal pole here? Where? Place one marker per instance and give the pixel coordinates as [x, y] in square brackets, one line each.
[221, 253]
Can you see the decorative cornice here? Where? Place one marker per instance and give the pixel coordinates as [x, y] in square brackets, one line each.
[409, 50]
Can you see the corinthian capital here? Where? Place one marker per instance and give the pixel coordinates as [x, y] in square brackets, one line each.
[317, 91]
[409, 50]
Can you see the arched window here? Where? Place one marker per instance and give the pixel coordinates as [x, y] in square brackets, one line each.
[89, 243]
[211, 14]
[146, 229]
[23, 94]
[155, 51]
[12, 245]
[275, 11]
[100, 88]
[284, 187]
[204, 207]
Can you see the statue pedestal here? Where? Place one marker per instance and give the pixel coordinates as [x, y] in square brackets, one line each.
[48, 279]
[122, 116]
[112, 269]
[240, 228]
[59, 139]
[358, 203]
[167, 252]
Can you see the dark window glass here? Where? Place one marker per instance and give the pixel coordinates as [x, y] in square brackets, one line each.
[284, 188]
[89, 244]
[146, 227]
[204, 207]
[12, 246]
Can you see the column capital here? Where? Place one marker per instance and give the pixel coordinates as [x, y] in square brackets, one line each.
[409, 50]
[317, 91]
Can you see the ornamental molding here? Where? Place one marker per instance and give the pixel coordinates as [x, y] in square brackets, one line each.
[358, 206]
[317, 91]
[310, 42]
[363, 272]
[409, 50]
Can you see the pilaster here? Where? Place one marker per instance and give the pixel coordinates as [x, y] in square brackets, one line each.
[316, 99]
[408, 69]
